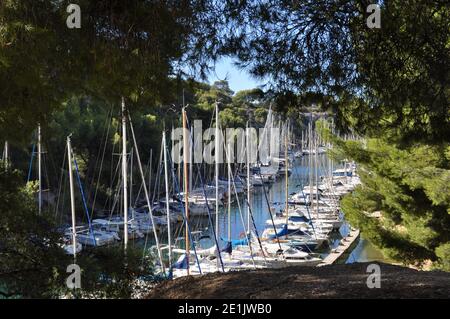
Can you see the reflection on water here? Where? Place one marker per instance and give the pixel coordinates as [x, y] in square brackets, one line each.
[365, 251]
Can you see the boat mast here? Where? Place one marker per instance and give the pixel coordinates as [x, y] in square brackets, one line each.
[345, 162]
[229, 191]
[6, 155]
[124, 175]
[316, 175]
[166, 179]
[248, 179]
[147, 197]
[186, 186]
[39, 169]
[286, 164]
[190, 184]
[310, 161]
[301, 145]
[131, 182]
[72, 196]
[191, 167]
[216, 155]
[331, 158]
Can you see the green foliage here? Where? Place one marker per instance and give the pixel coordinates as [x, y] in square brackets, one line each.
[233, 117]
[234, 110]
[110, 272]
[32, 263]
[410, 187]
[260, 115]
[249, 98]
[133, 49]
[405, 67]
[443, 253]
[390, 82]
[402, 108]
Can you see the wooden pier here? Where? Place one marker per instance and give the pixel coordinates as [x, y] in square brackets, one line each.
[344, 249]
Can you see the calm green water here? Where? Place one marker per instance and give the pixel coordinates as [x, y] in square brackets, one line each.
[365, 251]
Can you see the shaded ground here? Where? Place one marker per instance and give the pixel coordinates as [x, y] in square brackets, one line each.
[336, 281]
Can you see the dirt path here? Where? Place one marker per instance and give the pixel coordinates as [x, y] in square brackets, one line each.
[336, 281]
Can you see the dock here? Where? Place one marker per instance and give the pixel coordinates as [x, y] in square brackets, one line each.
[344, 249]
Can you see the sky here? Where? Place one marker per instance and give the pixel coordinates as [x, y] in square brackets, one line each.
[237, 79]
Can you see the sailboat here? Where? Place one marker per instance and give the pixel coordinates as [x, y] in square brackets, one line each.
[95, 237]
[90, 236]
[272, 254]
[69, 247]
